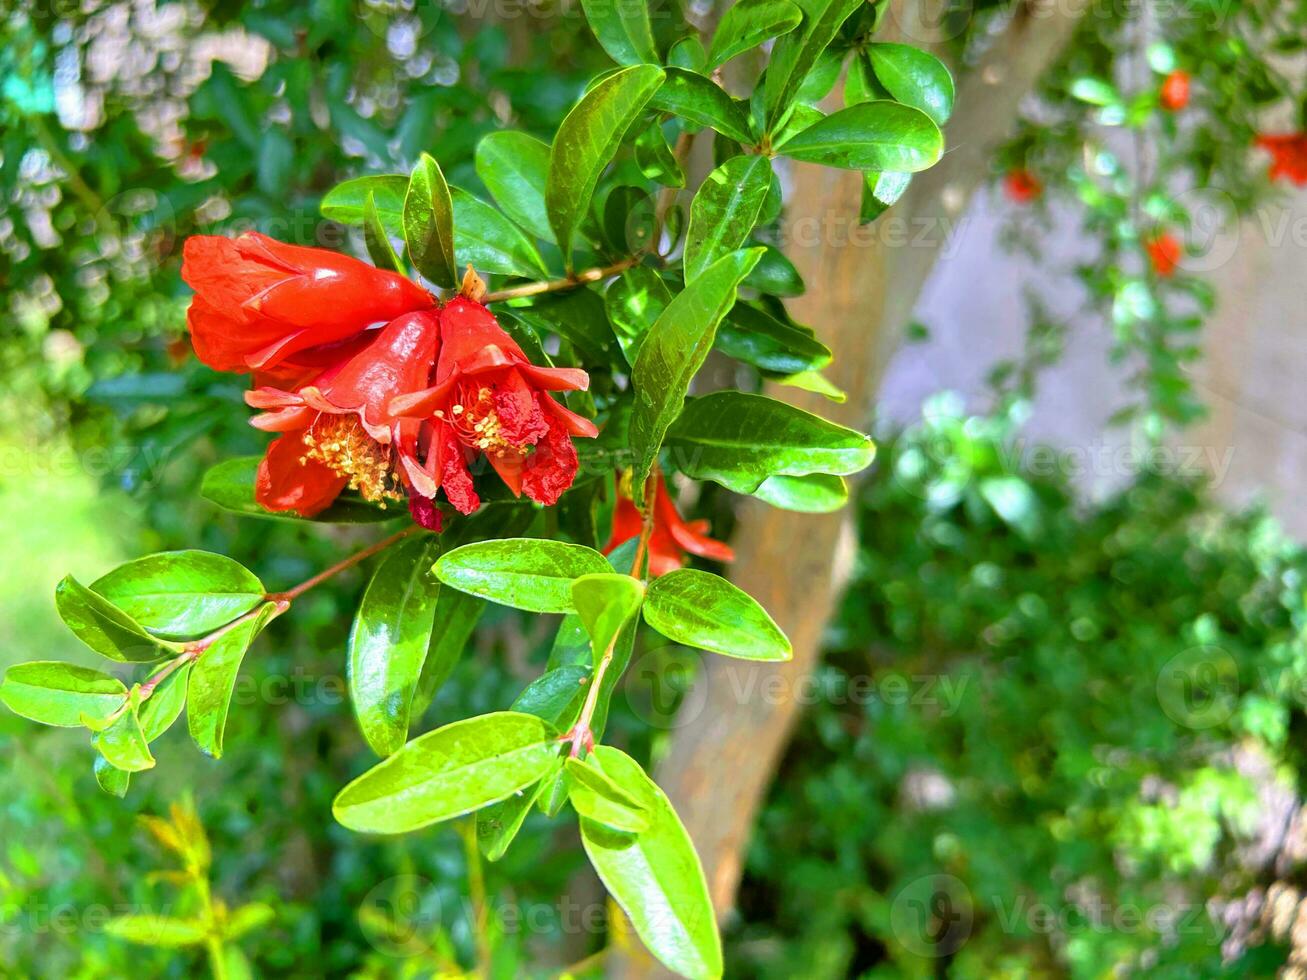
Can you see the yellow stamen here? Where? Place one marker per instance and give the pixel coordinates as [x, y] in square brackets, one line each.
[341, 443]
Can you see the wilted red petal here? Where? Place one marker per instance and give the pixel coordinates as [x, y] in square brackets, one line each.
[287, 481]
[550, 470]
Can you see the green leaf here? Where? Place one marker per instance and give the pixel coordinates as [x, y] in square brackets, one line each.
[748, 24]
[347, 202]
[914, 78]
[182, 593]
[230, 485]
[455, 617]
[750, 335]
[429, 223]
[213, 679]
[656, 159]
[725, 210]
[377, 239]
[163, 707]
[704, 102]
[622, 28]
[688, 53]
[526, 573]
[598, 798]
[606, 603]
[817, 493]
[739, 440]
[634, 301]
[587, 140]
[870, 136]
[122, 741]
[490, 242]
[674, 350]
[795, 54]
[247, 919]
[60, 694]
[880, 192]
[513, 167]
[705, 611]
[775, 275]
[389, 640]
[655, 875]
[451, 771]
[157, 930]
[113, 781]
[817, 383]
[105, 628]
[1095, 91]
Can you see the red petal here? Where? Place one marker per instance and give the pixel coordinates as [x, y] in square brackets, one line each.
[454, 475]
[471, 339]
[550, 470]
[284, 483]
[627, 524]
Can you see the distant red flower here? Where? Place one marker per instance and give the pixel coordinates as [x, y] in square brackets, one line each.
[1175, 91]
[1288, 156]
[336, 429]
[672, 537]
[488, 400]
[1022, 186]
[1164, 252]
[258, 301]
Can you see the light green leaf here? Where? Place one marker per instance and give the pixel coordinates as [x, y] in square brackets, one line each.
[389, 640]
[749, 23]
[705, 611]
[622, 28]
[817, 493]
[606, 603]
[704, 103]
[587, 140]
[739, 440]
[526, 573]
[880, 192]
[165, 704]
[347, 202]
[490, 242]
[655, 875]
[121, 741]
[914, 77]
[870, 136]
[429, 223]
[513, 166]
[213, 679]
[181, 593]
[634, 301]
[60, 694]
[377, 239]
[105, 628]
[247, 919]
[725, 210]
[113, 781]
[817, 383]
[230, 485]
[157, 930]
[674, 350]
[797, 52]
[598, 798]
[451, 771]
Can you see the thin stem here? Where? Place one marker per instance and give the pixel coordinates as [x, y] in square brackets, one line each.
[581, 735]
[476, 889]
[570, 282]
[638, 569]
[290, 595]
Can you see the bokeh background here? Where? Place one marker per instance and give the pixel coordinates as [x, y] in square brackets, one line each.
[1057, 729]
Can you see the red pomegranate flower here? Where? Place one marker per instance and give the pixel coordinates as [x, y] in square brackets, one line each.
[1022, 186]
[259, 301]
[1175, 91]
[672, 537]
[1288, 156]
[488, 400]
[1164, 252]
[336, 430]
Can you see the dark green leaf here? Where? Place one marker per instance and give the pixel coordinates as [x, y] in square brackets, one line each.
[725, 210]
[513, 166]
[775, 274]
[182, 593]
[705, 611]
[634, 300]
[776, 346]
[525, 573]
[704, 103]
[914, 78]
[490, 242]
[749, 23]
[105, 628]
[213, 679]
[453, 621]
[60, 694]
[622, 27]
[870, 136]
[795, 54]
[656, 159]
[429, 223]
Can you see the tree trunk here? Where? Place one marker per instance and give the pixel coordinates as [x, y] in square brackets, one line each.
[863, 284]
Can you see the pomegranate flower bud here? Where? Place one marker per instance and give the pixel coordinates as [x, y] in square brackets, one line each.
[258, 301]
[1288, 156]
[672, 537]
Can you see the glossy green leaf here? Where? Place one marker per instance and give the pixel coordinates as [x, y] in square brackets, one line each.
[634, 301]
[817, 383]
[598, 798]
[122, 742]
[347, 202]
[688, 53]
[817, 493]
[705, 611]
[455, 617]
[703, 102]
[622, 28]
[165, 705]
[448, 772]
[429, 223]
[749, 23]
[914, 77]
[213, 680]
[377, 239]
[673, 351]
[725, 210]
[182, 593]
[587, 140]
[490, 242]
[526, 573]
[497, 825]
[161, 931]
[230, 485]
[656, 159]
[795, 54]
[739, 440]
[655, 875]
[55, 693]
[775, 274]
[513, 166]
[775, 346]
[881, 191]
[389, 640]
[606, 603]
[113, 781]
[870, 136]
[105, 628]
